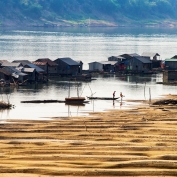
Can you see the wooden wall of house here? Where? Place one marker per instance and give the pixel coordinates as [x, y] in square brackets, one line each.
[95, 66]
[171, 65]
[31, 76]
[65, 69]
[137, 65]
[156, 63]
[108, 67]
[169, 76]
[52, 69]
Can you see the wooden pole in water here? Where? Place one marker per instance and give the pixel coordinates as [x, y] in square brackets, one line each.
[69, 90]
[149, 94]
[145, 91]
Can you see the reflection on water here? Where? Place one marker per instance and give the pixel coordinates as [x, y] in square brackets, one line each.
[132, 87]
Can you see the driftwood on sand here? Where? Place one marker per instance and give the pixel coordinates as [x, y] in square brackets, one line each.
[165, 102]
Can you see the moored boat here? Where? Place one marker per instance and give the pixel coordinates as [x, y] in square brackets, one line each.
[76, 100]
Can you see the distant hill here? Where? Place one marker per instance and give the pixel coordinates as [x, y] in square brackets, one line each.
[88, 12]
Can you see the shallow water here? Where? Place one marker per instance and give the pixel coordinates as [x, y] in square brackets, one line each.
[132, 87]
[88, 45]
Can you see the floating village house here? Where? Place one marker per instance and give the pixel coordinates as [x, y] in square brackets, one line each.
[140, 64]
[14, 65]
[16, 74]
[68, 67]
[137, 64]
[49, 66]
[40, 74]
[5, 76]
[171, 63]
[151, 56]
[11, 68]
[170, 69]
[34, 72]
[121, 62]
[105, 66]
[154, 57]
[31, 73]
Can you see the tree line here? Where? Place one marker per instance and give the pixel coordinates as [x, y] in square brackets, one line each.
[84, 9]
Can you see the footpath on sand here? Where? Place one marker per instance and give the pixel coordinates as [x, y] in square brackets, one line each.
[137, 142]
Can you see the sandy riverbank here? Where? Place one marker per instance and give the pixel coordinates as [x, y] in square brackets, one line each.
[138, 142]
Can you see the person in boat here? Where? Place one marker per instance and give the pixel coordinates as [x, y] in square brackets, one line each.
[114, 94]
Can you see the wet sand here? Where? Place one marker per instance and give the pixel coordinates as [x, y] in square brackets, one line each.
[141, 141]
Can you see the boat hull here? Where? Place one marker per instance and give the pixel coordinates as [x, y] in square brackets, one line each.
[75, 101]
[71, 99]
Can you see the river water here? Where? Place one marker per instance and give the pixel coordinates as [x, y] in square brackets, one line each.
[88, 45]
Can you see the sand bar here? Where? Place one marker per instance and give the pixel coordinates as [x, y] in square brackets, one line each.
[141, 141]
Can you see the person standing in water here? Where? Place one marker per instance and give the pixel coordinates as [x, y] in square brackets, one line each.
[114, 94]
[121, 96]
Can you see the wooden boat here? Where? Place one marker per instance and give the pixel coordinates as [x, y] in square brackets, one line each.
[75, 100]
[43, 101]
[70, 101]
[103, 98]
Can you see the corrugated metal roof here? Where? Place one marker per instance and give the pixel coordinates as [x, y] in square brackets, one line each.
[108, 62]
[129, 55]
[3, 61]
[143, 59]
[118, 57]
[134, 55]
[11, 64]
[36, 67]
[28, 70]
[174, 56]
[69, 61]
[23, 62]
[39, 63]
[14, 71]
[5, 72]
[46, 60]
[171, 59]
[149, 54]
[93, 62]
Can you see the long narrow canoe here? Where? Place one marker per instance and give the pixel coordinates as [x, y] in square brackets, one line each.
[72, 100]
[102, 98]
